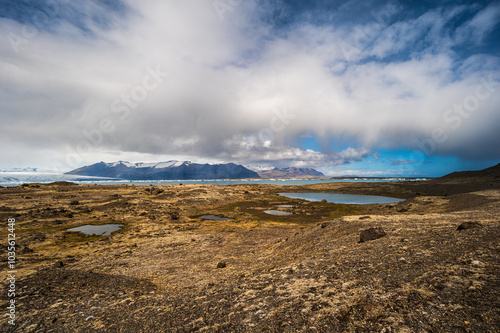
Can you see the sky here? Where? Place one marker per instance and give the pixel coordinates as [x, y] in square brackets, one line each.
[350, 88]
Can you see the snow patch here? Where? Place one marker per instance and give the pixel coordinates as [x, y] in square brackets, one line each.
[155, 165]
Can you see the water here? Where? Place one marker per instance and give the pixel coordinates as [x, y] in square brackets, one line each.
[284, 206]
[214, 218]
[99, 230]
[18, 178]
[277, 212]
[356, 199]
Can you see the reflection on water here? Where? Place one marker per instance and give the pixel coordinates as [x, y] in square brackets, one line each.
[277, 212]
[356, 199]
[99, 230]
[214, 218]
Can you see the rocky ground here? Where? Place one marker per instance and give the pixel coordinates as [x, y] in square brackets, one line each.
[167, 270]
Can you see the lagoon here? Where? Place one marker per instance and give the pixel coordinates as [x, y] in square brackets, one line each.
[355, 199]
[99, 230]
[277, 212]
[17, 178]
[214, 218]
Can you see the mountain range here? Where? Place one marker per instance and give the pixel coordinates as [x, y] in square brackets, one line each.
[291, 172]
[171, 170]
[185, 170]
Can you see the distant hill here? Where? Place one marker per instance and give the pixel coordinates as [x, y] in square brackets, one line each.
[459, 182]
[291, 173]
[171, 170]
[491, 172]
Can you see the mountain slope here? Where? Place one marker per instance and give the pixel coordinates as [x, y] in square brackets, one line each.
[291, 173]
[459, 182]
[490, 173]
[171, 170]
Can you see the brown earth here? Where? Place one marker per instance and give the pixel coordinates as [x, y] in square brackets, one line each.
[169, 271]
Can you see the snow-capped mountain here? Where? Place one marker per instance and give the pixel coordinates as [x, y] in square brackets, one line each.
[156, 165]
[292, 172]
[171, 170]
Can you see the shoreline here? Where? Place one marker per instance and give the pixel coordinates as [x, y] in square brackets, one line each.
[266, 181]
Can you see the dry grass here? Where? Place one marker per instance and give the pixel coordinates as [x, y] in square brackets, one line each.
[303, 272]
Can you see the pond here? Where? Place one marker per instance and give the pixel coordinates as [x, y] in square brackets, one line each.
[99, 230]
[356, 199]
[277, 212]
[214, 218]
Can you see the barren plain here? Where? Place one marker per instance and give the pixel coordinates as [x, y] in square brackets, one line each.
[167, 270]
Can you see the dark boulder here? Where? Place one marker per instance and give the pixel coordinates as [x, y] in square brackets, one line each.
[469, 225]
[154, 190]
[174, 215]
[371, 234]
[24, 250]
[324, 224]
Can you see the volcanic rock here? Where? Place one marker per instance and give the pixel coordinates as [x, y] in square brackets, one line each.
[371, 234]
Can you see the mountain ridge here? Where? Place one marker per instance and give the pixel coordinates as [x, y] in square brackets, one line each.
[186, 170]
[491, 172]
[170, 170]
[291, 172]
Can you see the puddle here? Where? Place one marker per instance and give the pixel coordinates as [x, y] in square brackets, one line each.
[356, 199]
[214, 218]
[277, 212]
[284, 206]
[99, 230]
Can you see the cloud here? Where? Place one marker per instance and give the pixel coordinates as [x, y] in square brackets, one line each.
[481, 24]
[228, 80]
[403, 162]
[252, 148]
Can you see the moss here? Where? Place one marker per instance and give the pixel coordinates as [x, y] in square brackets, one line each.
[340, 210]
[78, 237]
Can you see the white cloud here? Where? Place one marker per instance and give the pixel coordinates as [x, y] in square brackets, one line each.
[228, 78]
[481, 24]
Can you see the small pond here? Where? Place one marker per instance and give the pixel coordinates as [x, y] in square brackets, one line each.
[356, 199]
[284, 206]
[99, 230]
[277, 212]
[214, 218]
